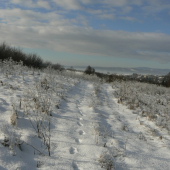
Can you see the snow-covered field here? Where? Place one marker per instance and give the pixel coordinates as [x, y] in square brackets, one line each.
[66, 121]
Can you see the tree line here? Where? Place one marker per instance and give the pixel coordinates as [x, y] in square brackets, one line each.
[30, 60]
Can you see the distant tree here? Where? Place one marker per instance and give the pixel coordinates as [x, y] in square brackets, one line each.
[47, 63]
[72, 68]
[166, 80]
[58, 67]
[89, 70]
[16, 54]
[30, 60]
[34, 61]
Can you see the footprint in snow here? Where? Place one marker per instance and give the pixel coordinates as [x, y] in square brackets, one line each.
[72, 150]
[75, 166]
[77, 140]
[81, 112]
[81, 132]
[80, 118]
[79, 123]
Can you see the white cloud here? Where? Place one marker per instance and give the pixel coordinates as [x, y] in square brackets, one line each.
[106, 16]
[87, 1]
[27, 28]
[156, 6]
[69, 4]
[16, 1]
[136, 2]
[115, 3]
[126, 9]
[27, 17]
[128, 18]
[94, 11]
[32, 4]
[106, 9]
[43, 4]
[61, 35]
[82, 20]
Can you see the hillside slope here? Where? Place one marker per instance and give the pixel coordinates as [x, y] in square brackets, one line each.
[78, 123]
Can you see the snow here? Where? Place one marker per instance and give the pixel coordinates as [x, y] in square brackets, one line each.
[89, 128]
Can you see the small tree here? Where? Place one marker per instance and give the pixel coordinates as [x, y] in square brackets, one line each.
[166, 80]
[71, 68]
[58, 67]
[89, 70]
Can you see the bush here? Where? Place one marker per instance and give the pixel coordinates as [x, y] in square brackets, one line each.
[16, 54]
[89, 70]
[166, 80]
[57, 67]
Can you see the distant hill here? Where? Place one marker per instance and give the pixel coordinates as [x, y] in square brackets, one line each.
[122, 70]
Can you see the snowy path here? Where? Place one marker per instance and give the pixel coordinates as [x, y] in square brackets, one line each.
[76, 147]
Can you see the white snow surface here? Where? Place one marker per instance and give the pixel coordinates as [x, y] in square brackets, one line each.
[87, 130]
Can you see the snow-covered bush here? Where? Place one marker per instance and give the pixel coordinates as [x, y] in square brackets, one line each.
[111, 158]
[12, 138]
[151, 101]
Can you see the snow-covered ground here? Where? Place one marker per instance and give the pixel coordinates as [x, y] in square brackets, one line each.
[88, 128]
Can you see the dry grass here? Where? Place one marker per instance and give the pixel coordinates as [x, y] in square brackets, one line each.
[13, 119]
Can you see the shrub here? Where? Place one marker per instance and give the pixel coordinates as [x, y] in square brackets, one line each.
[17, 55]
[89, 70]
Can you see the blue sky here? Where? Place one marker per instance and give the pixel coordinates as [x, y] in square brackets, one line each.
[106, 33]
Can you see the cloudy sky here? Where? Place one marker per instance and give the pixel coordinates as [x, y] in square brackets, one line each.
[107, 33]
